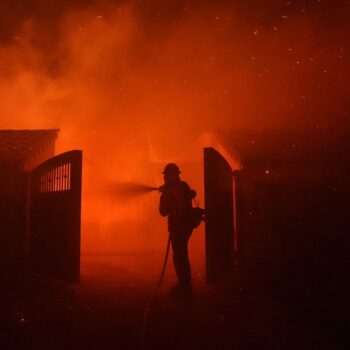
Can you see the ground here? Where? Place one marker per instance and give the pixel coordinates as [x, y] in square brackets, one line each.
[105, 311]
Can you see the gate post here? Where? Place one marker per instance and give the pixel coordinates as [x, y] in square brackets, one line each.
[219, 220]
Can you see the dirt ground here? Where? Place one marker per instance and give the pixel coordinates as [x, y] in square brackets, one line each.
[105, 311]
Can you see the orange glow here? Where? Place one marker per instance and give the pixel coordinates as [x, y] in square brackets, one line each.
[133, 99]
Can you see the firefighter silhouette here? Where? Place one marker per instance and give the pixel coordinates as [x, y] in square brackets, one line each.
[176, 204]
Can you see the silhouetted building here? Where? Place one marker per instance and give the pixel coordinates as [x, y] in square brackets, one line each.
[20, 152]
[293, 216]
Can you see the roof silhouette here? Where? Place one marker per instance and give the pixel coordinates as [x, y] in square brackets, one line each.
[21, 146]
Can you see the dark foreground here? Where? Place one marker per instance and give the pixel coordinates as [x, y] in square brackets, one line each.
[105, 311]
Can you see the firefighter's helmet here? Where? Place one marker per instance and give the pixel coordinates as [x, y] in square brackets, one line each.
[171, 168]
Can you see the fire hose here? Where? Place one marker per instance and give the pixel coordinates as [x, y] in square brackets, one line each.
[149, 303]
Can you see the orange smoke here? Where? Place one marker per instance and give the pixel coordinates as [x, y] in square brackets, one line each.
[135, 92]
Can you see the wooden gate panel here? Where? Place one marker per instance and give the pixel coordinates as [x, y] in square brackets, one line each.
[55, 216]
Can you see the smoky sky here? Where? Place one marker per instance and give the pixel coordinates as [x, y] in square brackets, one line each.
[275, 48]
[158, 15]
[136, 84]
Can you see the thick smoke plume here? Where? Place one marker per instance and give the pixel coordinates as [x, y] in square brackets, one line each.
[136, 84]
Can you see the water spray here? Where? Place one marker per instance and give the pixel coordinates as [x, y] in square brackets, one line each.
[130, 189]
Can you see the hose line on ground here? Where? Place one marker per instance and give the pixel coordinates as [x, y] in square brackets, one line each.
[149, 303]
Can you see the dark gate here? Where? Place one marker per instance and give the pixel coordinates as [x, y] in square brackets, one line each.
[219, 226]
[55, 216]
